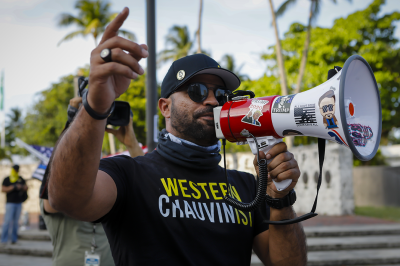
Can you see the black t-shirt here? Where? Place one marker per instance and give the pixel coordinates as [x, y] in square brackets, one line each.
[166, 214]
[15, 196]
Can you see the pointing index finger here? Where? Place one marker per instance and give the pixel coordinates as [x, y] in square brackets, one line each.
[115, 25]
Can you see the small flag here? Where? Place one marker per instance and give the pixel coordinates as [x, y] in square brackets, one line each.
[46, 151]
[39, 172]
[304, 115]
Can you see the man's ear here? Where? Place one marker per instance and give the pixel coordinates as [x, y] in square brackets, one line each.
[164, 104]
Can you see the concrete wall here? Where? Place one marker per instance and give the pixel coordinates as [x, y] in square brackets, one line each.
[32, 203]
[336, 192]
[376, 186]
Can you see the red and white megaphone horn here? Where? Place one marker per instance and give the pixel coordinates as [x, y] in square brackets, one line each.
[345, 109]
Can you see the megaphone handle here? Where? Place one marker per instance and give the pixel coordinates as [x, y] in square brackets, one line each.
[283, 184]
[270, 142]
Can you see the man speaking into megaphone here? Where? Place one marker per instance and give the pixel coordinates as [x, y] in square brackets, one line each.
[167, 208]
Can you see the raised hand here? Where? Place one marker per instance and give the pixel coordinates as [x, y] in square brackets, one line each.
[108, 80]
[127, 136]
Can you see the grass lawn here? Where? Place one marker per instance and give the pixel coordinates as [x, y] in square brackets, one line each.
[387, 213]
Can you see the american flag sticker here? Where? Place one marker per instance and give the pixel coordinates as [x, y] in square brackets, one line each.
[304, 115]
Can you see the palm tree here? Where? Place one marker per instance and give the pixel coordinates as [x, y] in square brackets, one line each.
[179, 41]
[279, 56]
[313, 14]
[198, 30]
[92, 20]
[14, 124]
[228, 62]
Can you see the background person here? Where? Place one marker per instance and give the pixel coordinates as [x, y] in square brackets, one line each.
[16, 190]
[71, 238]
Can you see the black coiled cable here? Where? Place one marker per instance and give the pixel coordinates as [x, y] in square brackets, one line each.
[261, 188]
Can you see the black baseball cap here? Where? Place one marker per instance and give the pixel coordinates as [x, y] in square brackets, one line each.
[185, 68]
[16, 167]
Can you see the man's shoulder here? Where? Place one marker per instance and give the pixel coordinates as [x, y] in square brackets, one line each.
[6, 180]
[126, 158]
[127, 161]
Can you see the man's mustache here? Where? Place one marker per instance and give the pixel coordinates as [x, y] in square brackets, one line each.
[207, 110]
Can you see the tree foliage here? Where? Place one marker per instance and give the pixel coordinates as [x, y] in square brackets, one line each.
[229, 62]
[14, 124]
[92, 20]
[136, 97]
[315, 7]
[179, 44]
[47, 117]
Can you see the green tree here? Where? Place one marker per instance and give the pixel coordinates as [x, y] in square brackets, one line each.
[312, 16]
[92, 20]
[13, 124]
[4, 154]
[46, 119]
[136, 97]
[179, 44]
[228, 62]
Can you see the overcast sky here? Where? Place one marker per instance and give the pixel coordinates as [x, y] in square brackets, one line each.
[31, 59]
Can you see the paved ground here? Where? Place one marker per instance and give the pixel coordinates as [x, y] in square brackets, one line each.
[13, 260]
[322, 220]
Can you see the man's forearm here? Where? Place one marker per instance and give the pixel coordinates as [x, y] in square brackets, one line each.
[7, 189]
[287, 243]
[134, 149]
[75, 163]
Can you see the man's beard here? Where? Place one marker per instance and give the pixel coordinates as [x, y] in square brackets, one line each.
[191, 129]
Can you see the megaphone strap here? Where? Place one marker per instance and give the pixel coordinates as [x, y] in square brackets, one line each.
[321, 157]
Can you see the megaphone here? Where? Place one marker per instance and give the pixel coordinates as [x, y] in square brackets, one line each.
[345, 109]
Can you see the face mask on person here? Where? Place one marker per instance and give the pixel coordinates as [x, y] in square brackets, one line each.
[14, 176]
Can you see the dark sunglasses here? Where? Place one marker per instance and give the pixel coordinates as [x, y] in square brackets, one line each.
[198, 92]
[329, 107]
